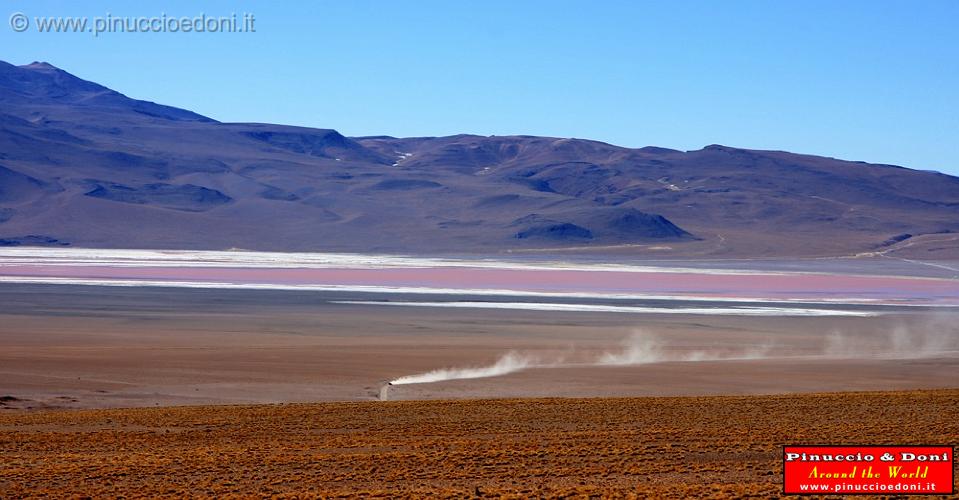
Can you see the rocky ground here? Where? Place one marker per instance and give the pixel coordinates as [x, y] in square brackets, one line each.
[672, 447]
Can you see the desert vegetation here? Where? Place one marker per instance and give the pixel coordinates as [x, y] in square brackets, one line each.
[658, 447]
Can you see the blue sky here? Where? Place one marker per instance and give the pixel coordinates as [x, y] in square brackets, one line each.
[875, 81]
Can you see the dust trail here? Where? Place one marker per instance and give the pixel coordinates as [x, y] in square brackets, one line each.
[510, 362]
[640, 348]
[385, 391]
[937, 336]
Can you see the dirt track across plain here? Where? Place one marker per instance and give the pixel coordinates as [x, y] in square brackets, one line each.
[68, 350]
[87, 347]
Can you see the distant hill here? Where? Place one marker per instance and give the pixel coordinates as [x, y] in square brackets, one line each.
[84, 165]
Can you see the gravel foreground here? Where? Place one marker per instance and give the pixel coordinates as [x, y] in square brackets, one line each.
[658, 447]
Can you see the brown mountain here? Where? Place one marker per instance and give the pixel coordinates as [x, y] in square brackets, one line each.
[84, 165]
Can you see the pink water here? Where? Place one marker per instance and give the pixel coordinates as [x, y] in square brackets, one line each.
[893, 289]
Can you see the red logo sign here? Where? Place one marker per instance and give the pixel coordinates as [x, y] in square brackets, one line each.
[868, 470]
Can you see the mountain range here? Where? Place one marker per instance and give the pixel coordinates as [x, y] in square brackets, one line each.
[83, 165]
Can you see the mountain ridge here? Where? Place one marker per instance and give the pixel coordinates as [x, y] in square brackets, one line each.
[111, 171]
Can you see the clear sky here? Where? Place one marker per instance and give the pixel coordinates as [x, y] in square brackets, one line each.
[869, 80]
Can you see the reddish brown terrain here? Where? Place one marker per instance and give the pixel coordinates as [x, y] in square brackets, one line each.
[707, 447]
[269, 376]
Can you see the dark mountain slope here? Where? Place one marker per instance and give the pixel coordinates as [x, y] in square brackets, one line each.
[39, 88]
[84, 165]
[775, 202]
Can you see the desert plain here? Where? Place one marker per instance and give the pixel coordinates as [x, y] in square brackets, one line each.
[86, 347]
[649, 447]
[227, 389]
